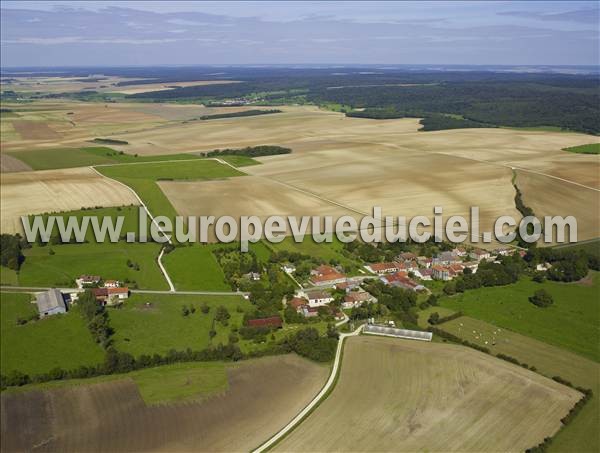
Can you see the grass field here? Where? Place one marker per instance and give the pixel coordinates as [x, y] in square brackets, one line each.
[581, 435]
[159, 327]
[592, 148]
[195, 268]
[570, 323]
[400, 395]
[49, 159]
[39, 346]
[108, 260]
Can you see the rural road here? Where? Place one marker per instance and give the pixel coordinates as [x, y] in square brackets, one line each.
[162, 251]
[133, 291]
[316, 400]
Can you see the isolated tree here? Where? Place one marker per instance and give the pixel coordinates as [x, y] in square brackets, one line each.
[541, 298]
[434, 318]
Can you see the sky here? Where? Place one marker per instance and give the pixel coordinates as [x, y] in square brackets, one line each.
[94, 33]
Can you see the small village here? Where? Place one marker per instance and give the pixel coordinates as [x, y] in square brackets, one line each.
[327, 292]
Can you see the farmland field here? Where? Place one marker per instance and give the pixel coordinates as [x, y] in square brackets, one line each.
[111, 416]
[570, 323]
[143, 179]
[592, 148]
[40, 192]
[340, 163]
[49, 159]
[550, 361]
[398, 395]
[39, 346]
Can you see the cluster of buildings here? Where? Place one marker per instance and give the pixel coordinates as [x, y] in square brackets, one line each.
[107, 292]
[445, 266]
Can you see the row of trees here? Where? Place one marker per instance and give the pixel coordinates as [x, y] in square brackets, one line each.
[306, 342]
[250, 151]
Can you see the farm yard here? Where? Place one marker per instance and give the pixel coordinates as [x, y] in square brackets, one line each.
[112, 416]
[400, 395]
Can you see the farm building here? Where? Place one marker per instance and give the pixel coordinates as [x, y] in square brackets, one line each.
[445, 258]
[382, 268]
[87, 280]
[375, 329]
[50, 303]
[318, 298]
[112, 283]
[479, 254]
[273, 321]
[297, 303]
[424, 273]
[441, 273]
[357, 298]
[402, 280]
[326, 276]
[310, 312]
[110, 296]
[406, 256]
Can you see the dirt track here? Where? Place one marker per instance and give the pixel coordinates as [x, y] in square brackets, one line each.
[111, 417]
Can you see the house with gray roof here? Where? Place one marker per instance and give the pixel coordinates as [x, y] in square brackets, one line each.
[50, 303]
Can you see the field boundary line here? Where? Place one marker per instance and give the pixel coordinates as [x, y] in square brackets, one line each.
[160, 255]
[316, 400]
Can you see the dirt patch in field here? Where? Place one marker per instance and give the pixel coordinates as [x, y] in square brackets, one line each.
[34, 130]
[263, 396]
[10, 164]
[38, 192]
[398, 395]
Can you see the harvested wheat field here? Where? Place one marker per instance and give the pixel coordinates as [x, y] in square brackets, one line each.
[250, 196]
[562, 199]
[37, 192]
[398, 395]
[111, 417]
[295, 123]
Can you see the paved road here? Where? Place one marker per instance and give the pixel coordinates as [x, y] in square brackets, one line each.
[298, 418]
[134, 291]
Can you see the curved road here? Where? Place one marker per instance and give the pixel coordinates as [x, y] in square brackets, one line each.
[316, 400]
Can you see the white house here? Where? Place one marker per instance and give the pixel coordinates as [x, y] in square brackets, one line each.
[316, 298]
